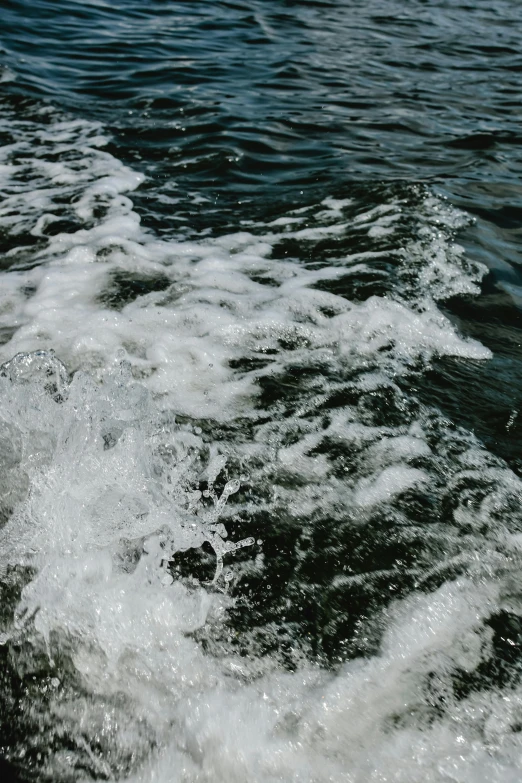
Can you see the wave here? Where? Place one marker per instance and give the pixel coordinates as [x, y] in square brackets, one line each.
[364, 629]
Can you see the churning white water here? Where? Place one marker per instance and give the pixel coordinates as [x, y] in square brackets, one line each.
[136, 428]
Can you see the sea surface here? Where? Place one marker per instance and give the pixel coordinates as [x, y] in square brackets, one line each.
[261, 391]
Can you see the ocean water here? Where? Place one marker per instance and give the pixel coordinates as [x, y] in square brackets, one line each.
[260, 391]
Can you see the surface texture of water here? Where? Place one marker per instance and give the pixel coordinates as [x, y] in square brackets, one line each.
[278, 244]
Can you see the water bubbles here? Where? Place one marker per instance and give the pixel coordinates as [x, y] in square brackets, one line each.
[26, 368]
[214, 468]
[231, 487]
[100, 485]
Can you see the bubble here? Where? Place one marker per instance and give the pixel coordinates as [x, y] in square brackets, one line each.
[231, 487]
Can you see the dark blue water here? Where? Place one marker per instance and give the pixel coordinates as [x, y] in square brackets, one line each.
[269, 99]
[238, 113]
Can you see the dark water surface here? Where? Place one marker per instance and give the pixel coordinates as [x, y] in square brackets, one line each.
[348, 164]
[268, 99]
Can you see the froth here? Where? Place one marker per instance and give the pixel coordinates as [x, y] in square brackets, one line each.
[281, 352]
[187, 314]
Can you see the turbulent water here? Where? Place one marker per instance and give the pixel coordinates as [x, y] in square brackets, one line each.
[260, 390]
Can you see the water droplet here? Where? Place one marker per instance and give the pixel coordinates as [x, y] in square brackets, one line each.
[231, 487]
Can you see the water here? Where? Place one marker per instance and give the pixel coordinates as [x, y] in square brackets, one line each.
[260, 488]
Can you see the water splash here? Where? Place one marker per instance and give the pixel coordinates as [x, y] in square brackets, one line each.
[38, 367]
[110, 477]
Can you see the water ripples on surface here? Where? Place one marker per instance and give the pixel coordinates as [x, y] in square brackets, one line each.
[255, 93]
[236, 225]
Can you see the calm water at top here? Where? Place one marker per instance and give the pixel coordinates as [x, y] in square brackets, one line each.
[270, 98]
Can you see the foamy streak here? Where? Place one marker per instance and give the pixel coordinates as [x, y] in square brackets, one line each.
[366, 723]
[125, 629]
[182, 340]
[97, 523]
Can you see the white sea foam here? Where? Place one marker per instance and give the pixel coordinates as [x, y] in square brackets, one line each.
[101, 475]
[182, 340]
